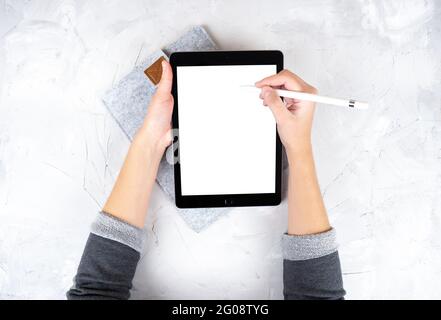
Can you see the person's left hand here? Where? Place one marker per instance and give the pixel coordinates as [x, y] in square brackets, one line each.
[156, 130]
[130, 195]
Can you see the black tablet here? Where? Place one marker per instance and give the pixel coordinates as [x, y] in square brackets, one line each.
[227, 150]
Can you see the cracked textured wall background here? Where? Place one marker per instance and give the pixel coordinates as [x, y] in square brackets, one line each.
[379, 171]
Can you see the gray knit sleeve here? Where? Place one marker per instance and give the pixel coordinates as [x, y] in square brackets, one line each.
[311, 246]
[109, 260]
[110, 227]
[311, 267]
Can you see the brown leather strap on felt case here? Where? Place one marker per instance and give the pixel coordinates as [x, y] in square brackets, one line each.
[154, 72]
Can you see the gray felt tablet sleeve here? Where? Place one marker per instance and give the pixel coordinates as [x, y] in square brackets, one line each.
[128, 100]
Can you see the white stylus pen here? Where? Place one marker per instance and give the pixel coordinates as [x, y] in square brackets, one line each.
[320, 99]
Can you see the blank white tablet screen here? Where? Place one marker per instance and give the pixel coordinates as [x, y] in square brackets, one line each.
[227, 138]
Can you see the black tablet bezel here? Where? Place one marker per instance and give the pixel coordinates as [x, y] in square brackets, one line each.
[211, 58]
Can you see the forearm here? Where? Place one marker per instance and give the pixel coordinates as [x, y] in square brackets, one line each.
[311, 267]
[311, 262]
[306, 210]
[130, 196]
[113, 249]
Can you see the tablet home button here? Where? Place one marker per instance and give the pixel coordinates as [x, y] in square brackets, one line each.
[229, 202]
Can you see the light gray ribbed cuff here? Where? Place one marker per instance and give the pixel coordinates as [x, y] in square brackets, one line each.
[309, 246]
[110, 227]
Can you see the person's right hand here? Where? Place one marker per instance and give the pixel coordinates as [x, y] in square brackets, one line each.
[293, 117]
